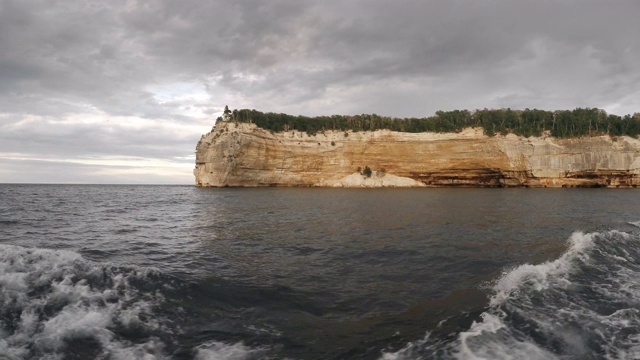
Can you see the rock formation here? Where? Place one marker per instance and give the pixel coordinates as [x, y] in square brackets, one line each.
[241, 154]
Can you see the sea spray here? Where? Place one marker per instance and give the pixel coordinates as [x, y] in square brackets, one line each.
[54, 302]
[582, 305]
[215, 350]
[562, 308]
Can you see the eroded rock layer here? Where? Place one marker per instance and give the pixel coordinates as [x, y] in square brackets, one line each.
[241, 154]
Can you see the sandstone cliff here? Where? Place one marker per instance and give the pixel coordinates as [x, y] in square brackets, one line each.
[241, 154]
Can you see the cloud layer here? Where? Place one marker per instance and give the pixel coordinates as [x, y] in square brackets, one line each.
[120, 91]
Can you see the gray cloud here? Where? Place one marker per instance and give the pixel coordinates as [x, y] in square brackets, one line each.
[75, 75]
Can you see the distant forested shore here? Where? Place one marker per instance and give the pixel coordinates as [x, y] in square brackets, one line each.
[559, 123]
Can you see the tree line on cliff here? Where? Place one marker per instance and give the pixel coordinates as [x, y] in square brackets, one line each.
[559, 123]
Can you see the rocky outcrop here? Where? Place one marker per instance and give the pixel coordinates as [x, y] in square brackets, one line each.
[241, 154]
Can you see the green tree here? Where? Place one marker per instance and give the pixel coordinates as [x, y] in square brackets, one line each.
[528, 122]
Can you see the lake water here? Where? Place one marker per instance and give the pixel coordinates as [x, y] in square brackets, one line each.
[178, 272]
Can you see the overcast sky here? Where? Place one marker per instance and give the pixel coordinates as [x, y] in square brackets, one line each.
[120, 91]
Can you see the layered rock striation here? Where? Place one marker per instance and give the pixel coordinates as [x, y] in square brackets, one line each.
[241, 154]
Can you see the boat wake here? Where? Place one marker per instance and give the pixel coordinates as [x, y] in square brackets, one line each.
[585, 304]
[57, 305]
[54, 304]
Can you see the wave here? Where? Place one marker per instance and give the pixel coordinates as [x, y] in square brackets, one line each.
[54, 303]
[215, 350]
[634, 223]
[583, 305]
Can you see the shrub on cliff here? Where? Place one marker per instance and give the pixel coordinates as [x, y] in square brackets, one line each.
[367, 172]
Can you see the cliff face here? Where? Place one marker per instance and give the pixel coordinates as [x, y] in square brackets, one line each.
[241, 154]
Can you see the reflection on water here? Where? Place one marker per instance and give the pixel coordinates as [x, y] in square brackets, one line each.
[407, 236]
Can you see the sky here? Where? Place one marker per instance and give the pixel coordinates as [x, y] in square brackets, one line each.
[120, 91]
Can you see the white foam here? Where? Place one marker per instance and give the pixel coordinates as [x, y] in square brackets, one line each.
[412, 350]
[37, 279]
[492, 339]
[215, 350]
[567, 302]
[542, 276]
[573, 293]
[634, 223]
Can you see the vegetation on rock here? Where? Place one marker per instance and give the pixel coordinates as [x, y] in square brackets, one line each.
[367, 172]
[559, 123]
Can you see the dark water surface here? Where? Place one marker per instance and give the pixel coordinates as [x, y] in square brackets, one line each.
[178, 272]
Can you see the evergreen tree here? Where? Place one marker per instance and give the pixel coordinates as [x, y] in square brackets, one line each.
[226, 114]
[528, 122]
